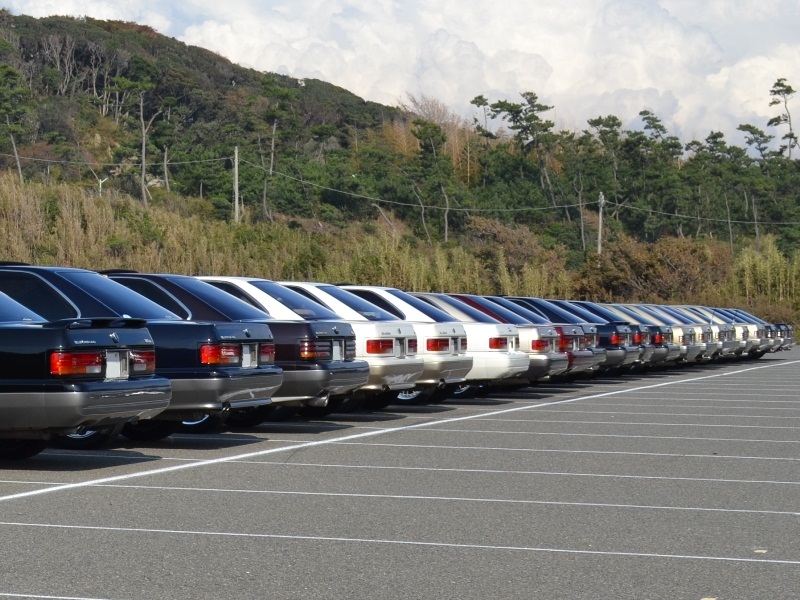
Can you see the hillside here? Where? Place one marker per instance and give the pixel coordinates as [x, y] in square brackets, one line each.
[166, 136]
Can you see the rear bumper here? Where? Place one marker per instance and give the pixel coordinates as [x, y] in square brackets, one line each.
[447, 369]
[314, 381]
[491, 366]
[582, 361]
[221, 390]
[391, 373]
[70, 406]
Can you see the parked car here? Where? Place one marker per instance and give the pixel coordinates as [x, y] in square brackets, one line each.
[683, 334]
[63, 378]
[212, 367]
[497, 360]
[723, 333]
[317, 358]
[571, 337]
[667, 351]
[540, 342]
[387, 344]
[441, 342]
[704, 334]
[555, 314]
[615, 336]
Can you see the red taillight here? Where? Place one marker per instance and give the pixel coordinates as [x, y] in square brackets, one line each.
[143, 361]
[411, 346]
[266, 353]
[315, 350]
[380, 346]
[615, 339]
[540, 345]
[438, 344]
[658, 338]
[76, 363]
[638, 338]
[498, 343]
[462, 344]
[220, 354]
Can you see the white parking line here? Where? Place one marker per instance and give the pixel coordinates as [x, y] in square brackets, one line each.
[523, 501]
[559, 451]
[314, 538]
[349, 438]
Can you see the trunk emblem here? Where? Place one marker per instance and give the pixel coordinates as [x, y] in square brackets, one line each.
[114, 338]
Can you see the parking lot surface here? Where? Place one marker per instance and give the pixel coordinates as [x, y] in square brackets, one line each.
[677, 484]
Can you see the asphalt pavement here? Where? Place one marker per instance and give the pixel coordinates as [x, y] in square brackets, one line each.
[678, 484]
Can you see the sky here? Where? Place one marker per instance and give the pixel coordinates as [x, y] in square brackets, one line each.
[698, 65]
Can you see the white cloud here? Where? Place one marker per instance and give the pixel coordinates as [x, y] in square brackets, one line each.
[700, 66]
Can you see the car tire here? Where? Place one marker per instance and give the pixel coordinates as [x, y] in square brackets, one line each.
[415, 396]
[251, 416]
[151, 430]
[20, 449]
[208, 423]
[91, 439]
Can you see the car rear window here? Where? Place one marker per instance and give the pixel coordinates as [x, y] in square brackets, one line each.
[117, 297]
[306, 308]
[368, 310]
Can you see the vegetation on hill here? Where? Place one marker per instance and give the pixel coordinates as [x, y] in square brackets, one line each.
[123, 147]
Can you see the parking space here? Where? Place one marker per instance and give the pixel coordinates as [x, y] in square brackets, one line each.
[674, 484]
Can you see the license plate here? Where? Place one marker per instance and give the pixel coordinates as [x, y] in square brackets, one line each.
[249, 356]
[116, 365]
[336, 353]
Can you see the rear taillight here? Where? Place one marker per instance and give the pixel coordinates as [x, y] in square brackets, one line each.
[564, 342]
[380, 346]
[76, 363]
[658, 338]
[540, 345]
[266, 353]
[498, 343]
[220, 354]
[462, 345]
[638, 338]
[350, 349]
[143, 361]
[438, 344]
[615, 339]
[411, 346]
[315, 350]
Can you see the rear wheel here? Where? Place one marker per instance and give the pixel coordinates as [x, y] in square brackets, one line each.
[252, 416]
[90, 439]
[20, 449]
[150, 430]
[205, 424]
[415, 396]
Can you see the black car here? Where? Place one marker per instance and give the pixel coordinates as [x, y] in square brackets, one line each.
[61, 378]
[317, 357]
[212, 367]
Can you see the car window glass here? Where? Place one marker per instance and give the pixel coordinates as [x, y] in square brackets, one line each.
[446, 303]
[426, 309]
[37, 295]
[155, 293]
[236, 292]
[523, 311]
[217, 299]
[368, 310]
[117, 297]
[375, 299]
[308, 309]
[12, 311]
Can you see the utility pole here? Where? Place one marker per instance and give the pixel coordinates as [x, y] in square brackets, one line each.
[600, 225]
[236, 184]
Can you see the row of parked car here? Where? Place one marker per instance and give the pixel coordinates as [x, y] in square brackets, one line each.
[89, 356]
